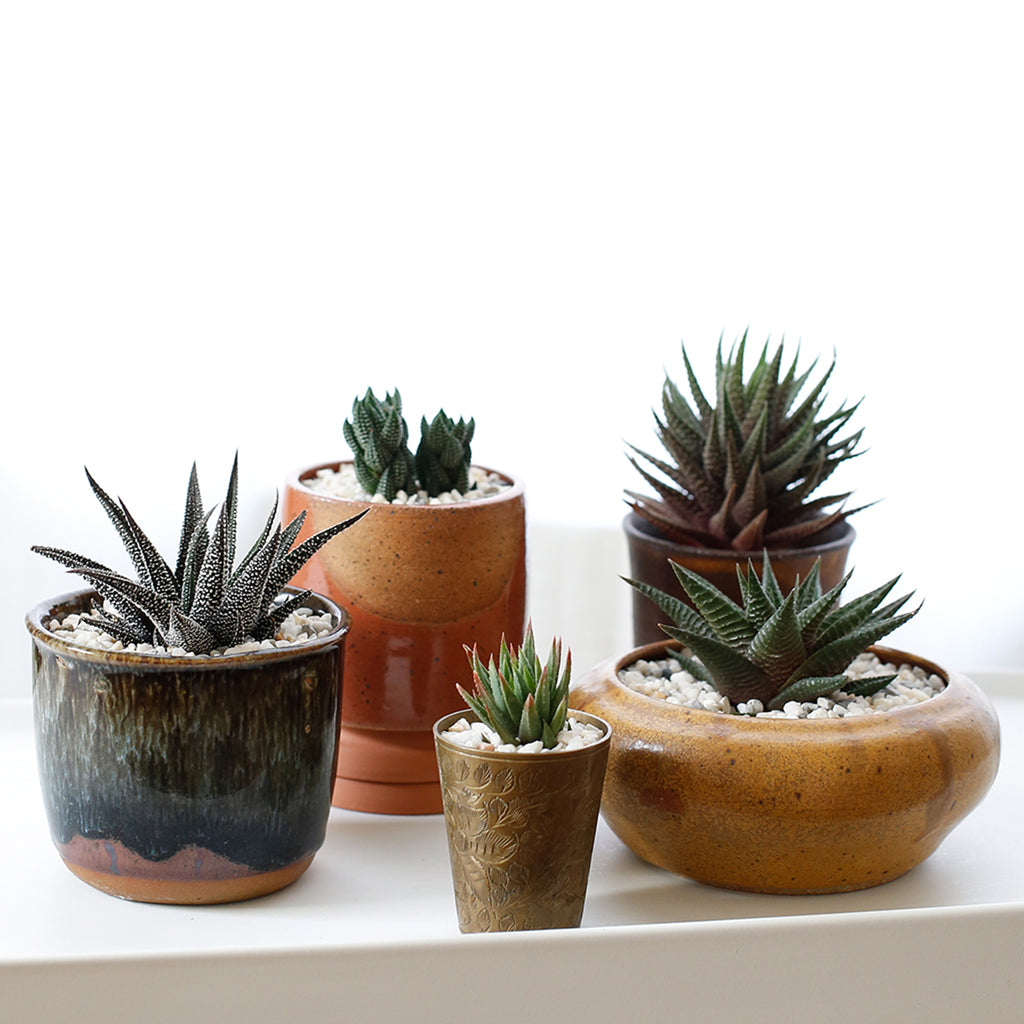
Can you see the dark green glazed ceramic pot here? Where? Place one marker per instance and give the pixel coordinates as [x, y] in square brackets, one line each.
[186, 779]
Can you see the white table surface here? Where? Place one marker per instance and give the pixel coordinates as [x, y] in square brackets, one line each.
[369, 932]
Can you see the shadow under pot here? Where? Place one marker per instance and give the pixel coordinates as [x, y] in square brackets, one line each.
[649, 555]
[419, 582]
[178, 779]
[520, 830]
[790, 805]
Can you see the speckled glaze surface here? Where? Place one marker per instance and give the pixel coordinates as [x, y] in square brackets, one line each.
[649, 556]
[185, 780]
[520, 831]
[790, 806]
[419, 582]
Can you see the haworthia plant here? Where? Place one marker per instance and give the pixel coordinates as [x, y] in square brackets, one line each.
[206, 602]
[775, 647]
[379, 438]
[442, 458]
[522, 699]
[739, 471]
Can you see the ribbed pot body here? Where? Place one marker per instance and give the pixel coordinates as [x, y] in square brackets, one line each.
[419, 582]
[185, 779]
[649, 555]
[790, 806]
[520, 830]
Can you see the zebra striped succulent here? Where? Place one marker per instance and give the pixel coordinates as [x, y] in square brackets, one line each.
[520, 698]
[379, 438]
[777, 647]
[205, 602]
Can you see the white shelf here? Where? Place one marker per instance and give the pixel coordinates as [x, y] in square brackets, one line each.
[370, 931]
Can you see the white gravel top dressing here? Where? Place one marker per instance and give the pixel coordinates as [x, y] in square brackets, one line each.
[301, 626]
[667, 680]
[342, 483]
[479, 736]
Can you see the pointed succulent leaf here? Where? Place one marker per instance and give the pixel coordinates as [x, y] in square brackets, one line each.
[192, 518]
[266, 626]
[182, 631]
[867, 686]
[154, 606]
[722, 615]
[678, 611]
[530, 725]
[844, 618]
[836, 655]
[806, 689]
[777, 648]
[734, 675]
[289, 564]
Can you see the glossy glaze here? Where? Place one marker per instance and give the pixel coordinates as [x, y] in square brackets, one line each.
[791, 806]
[520, 831]
[185, 780]
[419, 583]
[649, 555]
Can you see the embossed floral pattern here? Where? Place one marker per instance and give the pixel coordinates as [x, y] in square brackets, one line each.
[520, 833]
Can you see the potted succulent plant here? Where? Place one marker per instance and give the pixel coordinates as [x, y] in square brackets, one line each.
[739, 475]
[186, 721]
[441, 563]
[802, 760]
[521, 778]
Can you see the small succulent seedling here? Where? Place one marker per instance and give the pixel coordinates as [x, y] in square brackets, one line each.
[442, 458]
[740, 472]
[776, 647]
[205, 602]
[379, 438]
[520, 698]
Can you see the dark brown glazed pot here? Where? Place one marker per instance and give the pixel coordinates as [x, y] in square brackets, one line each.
[790, 806]
[419, 583]
[649, 555]
[185, 779]
[520, 830]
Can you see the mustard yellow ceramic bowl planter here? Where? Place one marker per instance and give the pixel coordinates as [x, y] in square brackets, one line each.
[520, 830]
[790, 805]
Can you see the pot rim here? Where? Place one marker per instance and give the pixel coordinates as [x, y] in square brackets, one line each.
[955, 683]
[45, 610]
[518, 758]
[844, 536]
[296, 480]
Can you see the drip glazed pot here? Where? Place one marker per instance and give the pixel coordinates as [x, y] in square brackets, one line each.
[790, 805]
[649, 555]
[520, 830]
[419, 582]
[185, 779]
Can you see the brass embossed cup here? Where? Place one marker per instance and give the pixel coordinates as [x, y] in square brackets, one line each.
[520, 830]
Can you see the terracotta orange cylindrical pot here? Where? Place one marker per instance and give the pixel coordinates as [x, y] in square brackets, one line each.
[784, 805]
[649, 555]
[419, 583]
[520, 830]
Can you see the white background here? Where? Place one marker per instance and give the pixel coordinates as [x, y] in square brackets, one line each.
[219, 222]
